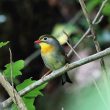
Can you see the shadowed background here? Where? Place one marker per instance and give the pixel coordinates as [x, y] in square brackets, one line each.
[22, 22]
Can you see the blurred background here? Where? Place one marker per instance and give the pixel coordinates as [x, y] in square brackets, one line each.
[23, 21]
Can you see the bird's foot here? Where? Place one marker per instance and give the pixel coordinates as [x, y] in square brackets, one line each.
[46, 74]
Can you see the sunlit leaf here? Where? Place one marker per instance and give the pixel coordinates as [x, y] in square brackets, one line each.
[3, 43]
[59, 34]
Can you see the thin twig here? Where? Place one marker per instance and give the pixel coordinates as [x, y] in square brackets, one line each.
[88, 30]
[73, 50]
[71, 46]
[99, 12]
[94, 82]
[11, 67]
[100, 19]
[96, 43]
[97, 46]
[11, 71]
[60, 72]
[72, 21]
[37, 53]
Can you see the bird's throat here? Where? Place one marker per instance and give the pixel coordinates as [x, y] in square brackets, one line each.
[46, 48]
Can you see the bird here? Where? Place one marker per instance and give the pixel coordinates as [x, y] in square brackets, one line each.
[53, 55]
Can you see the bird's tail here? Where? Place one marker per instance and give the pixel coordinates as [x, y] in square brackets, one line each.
[65, 78]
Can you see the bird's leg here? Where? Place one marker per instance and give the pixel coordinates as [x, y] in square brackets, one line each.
[46, 73]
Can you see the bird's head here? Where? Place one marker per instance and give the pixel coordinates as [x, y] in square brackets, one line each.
[47, 43]
[48, 39]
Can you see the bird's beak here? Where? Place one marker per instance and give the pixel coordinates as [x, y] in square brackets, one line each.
[37, 41]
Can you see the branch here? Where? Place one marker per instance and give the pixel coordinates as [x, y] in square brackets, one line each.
[37, 52]
[96, 43]
[90, 24]
[71, 46]
[93, 22]
[18, 101]
[59, 72]
[31, 57]
[72, 21]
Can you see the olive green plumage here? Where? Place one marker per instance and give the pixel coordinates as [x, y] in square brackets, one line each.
[56, 58]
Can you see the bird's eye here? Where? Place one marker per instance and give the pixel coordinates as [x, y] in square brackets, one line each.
[45, 38]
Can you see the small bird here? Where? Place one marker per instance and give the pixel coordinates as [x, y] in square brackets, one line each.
[53, 55]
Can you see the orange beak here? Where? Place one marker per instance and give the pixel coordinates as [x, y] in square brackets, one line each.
[37, 41]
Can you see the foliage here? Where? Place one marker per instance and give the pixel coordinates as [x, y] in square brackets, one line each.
[30, 96]
[106, 9]
[68, 28]
[33, 93]
[82, 100]
[3, 44]
[17, 66]
[92, 4]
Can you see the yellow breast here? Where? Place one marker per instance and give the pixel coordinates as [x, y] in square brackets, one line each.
[45, 48]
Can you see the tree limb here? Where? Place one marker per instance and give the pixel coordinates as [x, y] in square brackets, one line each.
[59, 72]
[18, 101]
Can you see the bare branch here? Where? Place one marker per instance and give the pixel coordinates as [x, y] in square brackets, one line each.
[11, 71]
[90, 24]
[18, 103]
[96, 43]
[99, 12]
[10, 90]
[72, 21]
[59, 72]
[100, 19]
[93, 22]
[31, 57]
[72, 49]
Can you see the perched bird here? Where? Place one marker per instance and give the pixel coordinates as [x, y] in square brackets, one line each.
[53, 55]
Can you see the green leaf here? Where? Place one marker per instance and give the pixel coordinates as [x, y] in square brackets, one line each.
[28, 102]
[16, 68]
[35, 92]
[92, 4]
[3, 43]
[106, 9]
[29, 97]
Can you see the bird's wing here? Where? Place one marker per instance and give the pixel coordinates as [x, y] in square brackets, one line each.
[63, 53]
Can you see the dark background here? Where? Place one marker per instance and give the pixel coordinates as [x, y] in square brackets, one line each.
[25, 20]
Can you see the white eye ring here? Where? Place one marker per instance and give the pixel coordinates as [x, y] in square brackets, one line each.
[45, 38]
